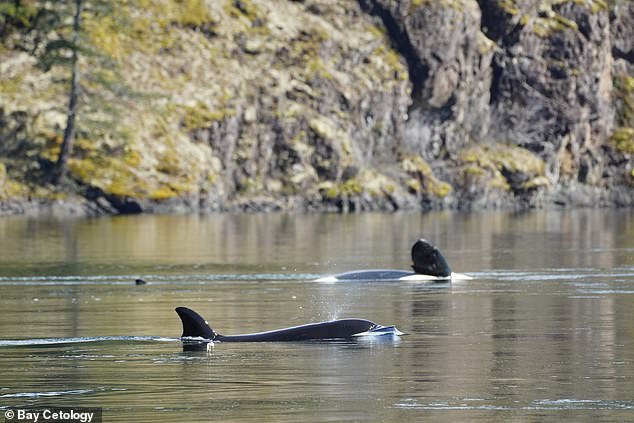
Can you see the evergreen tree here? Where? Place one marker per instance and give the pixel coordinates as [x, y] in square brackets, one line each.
[69, 132]
[55, 32]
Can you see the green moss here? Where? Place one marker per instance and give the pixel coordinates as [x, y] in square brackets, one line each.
[243, 9]
[14, 189]
[473, 170]
[107, 35]
[304, 50]
[545, 27]
[110, 174]
[623, 140]
[624, 93]
[12, 86]
[193, 13]
[549, 22]
[418, 168]
[416, 164]
[323, 128]
[351, 187]
[510, 7]
[367, 181]
[499, 156]
[393, 61]
[317, 67]
[328, 190]
[376, 31]
[10, 188]
[441, 189]
[456, 4]
[84, 146]
[484, 164]
[565, 22]
[82, 170]
[123, 186]
[199, 116]
[517, 159]
[595, 6]
[170, 163]
[413, 186]
[132, 157]
[162, 193]
[540, 181]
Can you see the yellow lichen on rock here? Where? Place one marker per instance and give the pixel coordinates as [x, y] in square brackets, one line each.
[367, 182]
[422, 179]
[623, 140]
[495, 165]
[3, 177]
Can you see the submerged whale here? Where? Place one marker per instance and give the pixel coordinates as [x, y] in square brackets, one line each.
[196, 329]
[428, 264]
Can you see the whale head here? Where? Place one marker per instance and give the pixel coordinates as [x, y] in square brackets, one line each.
[428, 260]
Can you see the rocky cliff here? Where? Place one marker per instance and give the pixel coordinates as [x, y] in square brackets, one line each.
[335, 105]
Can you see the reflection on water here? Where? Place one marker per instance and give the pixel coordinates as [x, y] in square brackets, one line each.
[543, 332]
[317, 243]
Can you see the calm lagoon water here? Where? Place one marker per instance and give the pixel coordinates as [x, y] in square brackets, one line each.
[544, 331]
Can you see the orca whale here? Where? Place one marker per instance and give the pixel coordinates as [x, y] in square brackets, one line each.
[196, 329]
[428, 264]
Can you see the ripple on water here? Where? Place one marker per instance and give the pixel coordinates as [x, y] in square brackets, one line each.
[194, 279]
[542, 404]
[50, 393]
[64, 341]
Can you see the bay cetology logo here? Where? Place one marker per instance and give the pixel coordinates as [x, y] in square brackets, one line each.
[53, 415]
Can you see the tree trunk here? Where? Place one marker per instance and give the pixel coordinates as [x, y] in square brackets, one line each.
[66, 149]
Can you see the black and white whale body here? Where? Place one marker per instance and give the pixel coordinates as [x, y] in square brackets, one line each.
[196, 328]
[428, 264]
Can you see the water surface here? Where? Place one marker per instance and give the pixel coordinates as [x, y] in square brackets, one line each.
[544, 331]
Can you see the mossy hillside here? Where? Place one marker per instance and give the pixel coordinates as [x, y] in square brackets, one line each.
[294, 60]
[196, 65]
[245, 98]
[156, 153]
[279, 60]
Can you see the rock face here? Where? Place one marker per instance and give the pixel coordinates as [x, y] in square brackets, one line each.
[553, 87]
[536, 75]
[449, 60]
[342, 105]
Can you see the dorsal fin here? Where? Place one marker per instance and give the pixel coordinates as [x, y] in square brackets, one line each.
[194, 325]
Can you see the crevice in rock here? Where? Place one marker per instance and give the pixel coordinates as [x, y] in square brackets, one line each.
[490, 20]
[497, 67]
[399, 38]
[625, 55]
[496, 25]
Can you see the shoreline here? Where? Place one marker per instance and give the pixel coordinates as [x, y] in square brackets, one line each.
[575, 197]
